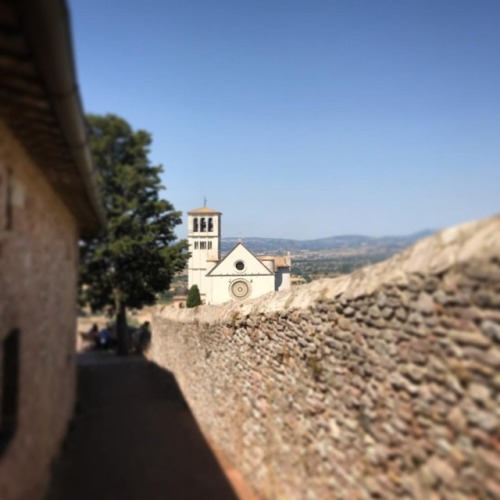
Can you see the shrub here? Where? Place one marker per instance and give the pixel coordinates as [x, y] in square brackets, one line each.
[193, 298]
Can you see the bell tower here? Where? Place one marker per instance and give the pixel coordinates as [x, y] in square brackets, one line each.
[204, 233]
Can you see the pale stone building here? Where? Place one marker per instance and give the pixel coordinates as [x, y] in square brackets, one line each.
[237, 276]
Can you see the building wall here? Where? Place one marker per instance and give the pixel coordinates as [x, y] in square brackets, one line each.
[384, 383]
[283, 279]
[197, 264]
[38, 276]
[219, 287]
[197, 268]
[256, 276]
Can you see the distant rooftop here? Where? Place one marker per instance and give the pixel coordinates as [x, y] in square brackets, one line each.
[279, 261]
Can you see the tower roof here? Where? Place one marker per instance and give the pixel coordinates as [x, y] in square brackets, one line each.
[204, 211]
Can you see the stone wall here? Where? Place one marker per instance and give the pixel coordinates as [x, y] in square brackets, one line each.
[384, 383]
[38, 274]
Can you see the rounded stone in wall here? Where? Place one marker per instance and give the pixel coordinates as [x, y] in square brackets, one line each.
[240, 289]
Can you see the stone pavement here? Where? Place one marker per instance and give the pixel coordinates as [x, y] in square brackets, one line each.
[134, 437]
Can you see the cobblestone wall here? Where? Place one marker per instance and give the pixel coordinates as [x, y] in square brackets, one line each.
[384, 383]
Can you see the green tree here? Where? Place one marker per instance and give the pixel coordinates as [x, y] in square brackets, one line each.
[193, 298]
[137, 255]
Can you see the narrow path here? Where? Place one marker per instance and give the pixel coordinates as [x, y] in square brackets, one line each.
[134, 437]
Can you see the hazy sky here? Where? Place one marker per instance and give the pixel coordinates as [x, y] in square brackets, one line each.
[307, 118]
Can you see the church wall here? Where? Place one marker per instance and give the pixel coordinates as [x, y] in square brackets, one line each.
[252, 265]
[254, 273]
[262, 285]
[201, 258]
[384, 383]
[220, 287]
[283, 279]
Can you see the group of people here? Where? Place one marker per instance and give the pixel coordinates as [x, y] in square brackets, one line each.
[102, 339]
[105, 338]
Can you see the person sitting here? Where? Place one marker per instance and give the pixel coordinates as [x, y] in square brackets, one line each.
[91, 334]
[144, 336]
[102, 340]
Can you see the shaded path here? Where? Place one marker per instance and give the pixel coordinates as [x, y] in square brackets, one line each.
[134, 437]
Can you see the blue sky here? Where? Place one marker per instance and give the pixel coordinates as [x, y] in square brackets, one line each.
[306, 119]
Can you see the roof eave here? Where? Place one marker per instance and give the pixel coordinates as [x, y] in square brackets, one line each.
[45, 26]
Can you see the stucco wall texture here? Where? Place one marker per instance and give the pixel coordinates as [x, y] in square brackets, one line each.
[38, 266]
[381, 384]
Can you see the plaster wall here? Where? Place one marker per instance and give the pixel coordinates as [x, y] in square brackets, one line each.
[259, 279]
[283, 281]
[200, 261]
[381, 384]
[220, 287]
[198, 268]
[38, 276]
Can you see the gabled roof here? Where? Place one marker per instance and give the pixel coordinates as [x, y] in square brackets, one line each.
[225, 267]
[204, 211]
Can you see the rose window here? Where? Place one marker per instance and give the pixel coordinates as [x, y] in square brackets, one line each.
[240, 289]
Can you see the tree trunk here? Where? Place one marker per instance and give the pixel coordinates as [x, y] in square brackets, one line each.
[122, 336]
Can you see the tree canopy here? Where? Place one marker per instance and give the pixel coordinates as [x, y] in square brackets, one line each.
[137, 255]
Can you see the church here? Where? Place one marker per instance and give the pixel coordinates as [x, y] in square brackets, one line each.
[237, 276]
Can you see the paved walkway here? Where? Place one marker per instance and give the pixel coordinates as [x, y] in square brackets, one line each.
[133, 437]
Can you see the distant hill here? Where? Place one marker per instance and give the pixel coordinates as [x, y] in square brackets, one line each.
[280, 245]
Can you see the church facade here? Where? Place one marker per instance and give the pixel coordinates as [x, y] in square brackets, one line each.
[237, 276]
